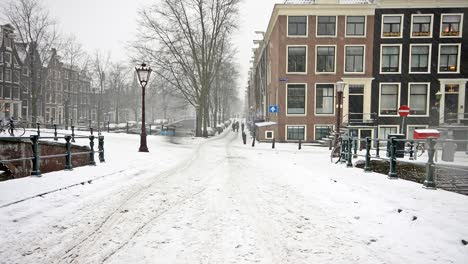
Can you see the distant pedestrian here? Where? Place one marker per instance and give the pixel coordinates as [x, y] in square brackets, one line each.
[237, 126]
[242, 126]
[233, 126]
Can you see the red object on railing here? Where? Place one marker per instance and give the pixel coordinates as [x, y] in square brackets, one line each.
[425, 133]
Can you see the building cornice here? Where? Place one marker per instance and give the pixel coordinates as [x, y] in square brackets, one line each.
[421, 3]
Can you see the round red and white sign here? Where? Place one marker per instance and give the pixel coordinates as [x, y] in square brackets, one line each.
[404, 111]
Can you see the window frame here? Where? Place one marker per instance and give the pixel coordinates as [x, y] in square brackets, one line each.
[5, 76]
[298, 36]
[458, 58]
[388, 126]
[461, 25]
[428, 90]
[363, 59]
[295, 140]
[402, 22]
[399, 58]
[10, 61]
[334, 100]
[316, 59]
[305, 99]
[18, 75]
[272, 134]
[398, 98]
[431, 25]
[355, 36]
[325, 36]
[332, 126]
[428, 59]
[306, 59]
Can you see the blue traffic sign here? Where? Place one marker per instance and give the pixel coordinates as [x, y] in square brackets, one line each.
[273, 109]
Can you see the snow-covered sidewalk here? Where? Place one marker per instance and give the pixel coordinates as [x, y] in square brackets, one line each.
[218, 201]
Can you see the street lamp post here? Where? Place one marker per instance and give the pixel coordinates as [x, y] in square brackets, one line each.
[143, 74]
[339, 95]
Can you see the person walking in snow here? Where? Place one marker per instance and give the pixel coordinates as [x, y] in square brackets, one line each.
[242, 126]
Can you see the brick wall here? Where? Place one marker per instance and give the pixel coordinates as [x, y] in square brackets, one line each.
[21, 148]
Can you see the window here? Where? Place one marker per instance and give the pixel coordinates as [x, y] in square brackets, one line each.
[421, 26]
[418, 98]
[7, 109]
[7, 75]
[296, 59]
[1, 92]
[269, 134]
[16, 76]
[15, 92]
[325, 59]
[449, 58]
[324, 99]
[384, 131]
[326, 26]
[15, 62]
[389, 99]
[25, 71]
[1, 57]
[297, 26]
[7, 92]
[8, 42]
[392, 26]
[390, 59]
[1, 75]
[451, 25]
[354, 60]
[8, 57]
[420, 58]
[295, 132]
[296, 99]
[322, 131]
[355, 26]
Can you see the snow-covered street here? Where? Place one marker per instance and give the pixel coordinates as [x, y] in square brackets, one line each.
[218, 201]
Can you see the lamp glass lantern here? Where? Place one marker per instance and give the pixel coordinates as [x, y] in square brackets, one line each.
[340, 86]
[143, 73]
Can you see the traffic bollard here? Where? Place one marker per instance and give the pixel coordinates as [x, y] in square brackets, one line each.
[368, 155]
[35, 158]
[73, 134]
[411, 150]
[253, 140]
[377, 148]
[68, 164]
[429, 181]
[55, 132]
[38, 129]
[91, 153]
[273, 143]
[349, 163]
[101, 149]
[300, 144]
[392, 173]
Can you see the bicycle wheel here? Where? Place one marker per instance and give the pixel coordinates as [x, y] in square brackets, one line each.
[17, 131]
[335, 155]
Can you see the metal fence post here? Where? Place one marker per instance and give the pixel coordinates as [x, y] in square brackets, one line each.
[55, 132]
[68, 164]
[349, 163]
[91, 153]
[273, 143]
[91, 130]
[300, 144]
[127, 127]
[355, 145]
[429, 181]
[344, 145]
[73, 133]
[377, 148]
[38, 129]
[36, 158]
[101, 149]
[253, 141]
[368, 155]
[411, 150]
[108, 127]
[392, 173]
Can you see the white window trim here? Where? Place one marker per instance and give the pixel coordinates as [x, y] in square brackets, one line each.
[306, 59]
[399, 58]
[402, 22]
[322, 125]
[326, 36]
[294, 140]
[286, 97]
[408, 127]
[334, 100]
[429, 62]
[387, 126]
[431, 25]
[11, 76]
[380, 98]
[11, 58]
[316, 55]
[461, 25]
[363, 59]
[428, 95]
[354, 36]
[272, 133]
[298, 36]
[458, 59]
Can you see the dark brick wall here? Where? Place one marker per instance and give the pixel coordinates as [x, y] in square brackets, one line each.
[15, 148]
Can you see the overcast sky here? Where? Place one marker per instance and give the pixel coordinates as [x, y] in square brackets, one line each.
[108, 25]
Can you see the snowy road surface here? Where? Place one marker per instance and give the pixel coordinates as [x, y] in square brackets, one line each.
[217, 201]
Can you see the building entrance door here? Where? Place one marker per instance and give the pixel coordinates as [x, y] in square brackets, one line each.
[356, 104]
[451, 104]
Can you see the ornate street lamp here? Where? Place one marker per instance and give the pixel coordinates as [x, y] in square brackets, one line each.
[339, 95]
[143, 73]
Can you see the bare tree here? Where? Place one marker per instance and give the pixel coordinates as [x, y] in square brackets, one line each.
[188, 36]
[100, 64]
[35, 27]
[118, 79]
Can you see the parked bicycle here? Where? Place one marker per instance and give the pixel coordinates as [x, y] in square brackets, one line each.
[335, 155]
[419, 148]
[11, 126]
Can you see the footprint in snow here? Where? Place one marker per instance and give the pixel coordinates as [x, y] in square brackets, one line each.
[464, 242]
[399, 210]
[415, 218]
